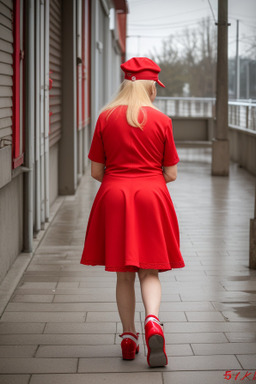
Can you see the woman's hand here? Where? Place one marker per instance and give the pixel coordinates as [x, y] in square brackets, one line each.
[97, 170]
[170, 173]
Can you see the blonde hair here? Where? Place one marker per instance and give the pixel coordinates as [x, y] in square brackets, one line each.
[134, 94]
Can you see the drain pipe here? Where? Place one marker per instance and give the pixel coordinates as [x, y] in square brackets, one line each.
[29, 131]
[46, 110]
[38, 96]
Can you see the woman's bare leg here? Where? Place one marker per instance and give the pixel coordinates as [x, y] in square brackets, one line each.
[126, 300]
[150, 290]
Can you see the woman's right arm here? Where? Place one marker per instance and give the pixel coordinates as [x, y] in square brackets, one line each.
[170, 173]
[97, 170]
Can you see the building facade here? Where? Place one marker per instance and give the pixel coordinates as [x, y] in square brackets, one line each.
[59, 63]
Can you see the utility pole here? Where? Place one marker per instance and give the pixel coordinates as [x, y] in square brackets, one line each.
[138, 45]
[237, 62]
[220, 145]
[248, 79]
[252, 258]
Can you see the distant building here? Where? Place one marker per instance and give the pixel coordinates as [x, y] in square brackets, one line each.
[59, 63]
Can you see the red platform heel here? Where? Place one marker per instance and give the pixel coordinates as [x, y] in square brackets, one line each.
[129, 345]
[155, 341]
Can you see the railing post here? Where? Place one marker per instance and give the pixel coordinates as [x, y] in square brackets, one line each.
[247, 116]
[205, 109]
[165, 106]
[214, 110]
[189, 108]
[252, 120]
[176, 107]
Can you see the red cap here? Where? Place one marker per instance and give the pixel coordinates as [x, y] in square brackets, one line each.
[141, 68]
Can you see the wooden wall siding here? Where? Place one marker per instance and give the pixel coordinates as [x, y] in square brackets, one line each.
[55, 71]
[6, 71]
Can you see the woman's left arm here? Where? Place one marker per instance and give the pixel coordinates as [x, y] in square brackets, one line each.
[97, 170]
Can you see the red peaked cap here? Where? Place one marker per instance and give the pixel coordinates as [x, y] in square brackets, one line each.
[141, 68]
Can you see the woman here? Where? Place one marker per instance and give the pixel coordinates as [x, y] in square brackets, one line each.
[133, 226]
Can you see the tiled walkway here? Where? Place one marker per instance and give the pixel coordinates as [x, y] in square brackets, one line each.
[61, 325]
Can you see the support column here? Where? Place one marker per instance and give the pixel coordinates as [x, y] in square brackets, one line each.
[68, 142]
[220, 148]
[252, 261]
[29, 129]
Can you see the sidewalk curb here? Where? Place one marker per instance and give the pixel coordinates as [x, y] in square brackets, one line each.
[15, 273]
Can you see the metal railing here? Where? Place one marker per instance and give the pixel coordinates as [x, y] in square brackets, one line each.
[241, 113]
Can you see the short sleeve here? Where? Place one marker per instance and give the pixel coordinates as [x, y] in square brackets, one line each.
[170, 153]
[97, 152]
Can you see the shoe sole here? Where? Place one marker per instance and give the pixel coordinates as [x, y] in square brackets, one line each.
[157, 357]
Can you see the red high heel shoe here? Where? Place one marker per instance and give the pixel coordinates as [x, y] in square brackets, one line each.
[155, 341]
[129, 345]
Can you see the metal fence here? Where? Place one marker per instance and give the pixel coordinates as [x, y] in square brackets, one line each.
[241, 113]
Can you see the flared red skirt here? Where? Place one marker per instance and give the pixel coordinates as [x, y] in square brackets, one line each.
[132, 225]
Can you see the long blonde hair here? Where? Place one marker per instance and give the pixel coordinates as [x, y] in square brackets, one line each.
[134, 94]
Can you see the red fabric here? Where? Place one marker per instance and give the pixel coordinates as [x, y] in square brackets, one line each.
[141, 68]
[138, 64]
[133, 223]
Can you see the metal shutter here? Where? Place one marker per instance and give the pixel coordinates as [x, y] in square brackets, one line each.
[6, 70]
[55, 71]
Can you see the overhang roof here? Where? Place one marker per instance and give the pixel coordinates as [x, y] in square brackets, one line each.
[121, 5]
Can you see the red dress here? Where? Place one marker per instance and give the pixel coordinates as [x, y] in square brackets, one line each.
[132, 223]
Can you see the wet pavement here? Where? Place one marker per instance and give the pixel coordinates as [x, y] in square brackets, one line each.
[61, 324]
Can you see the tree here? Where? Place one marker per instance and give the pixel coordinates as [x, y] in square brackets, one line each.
[194, 63]
[172, 74]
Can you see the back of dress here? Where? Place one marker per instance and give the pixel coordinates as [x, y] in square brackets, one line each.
[133, 223]
[130, 151]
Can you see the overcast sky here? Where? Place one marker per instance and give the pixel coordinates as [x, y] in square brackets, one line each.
[151, 21]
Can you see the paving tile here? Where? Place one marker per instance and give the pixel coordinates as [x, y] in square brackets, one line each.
[71, 284]
[233, 306]
[171, 316]
[66, 291]
[43, 317]
[94, 327]
[84, 298]
[240, 315]
[200, 337]
[210, 326]
[37, 365]
[14, 379]
[239, 285]
[225, 348]
[106, 317]
[6, 328]
[111, 378]
[204, 316]
[64, 307]
[215, 296]
[18, 351]
[223, 274]
[59, 339]
[78, 351]
[32, 298]
[43, 279]
[247, 361]
[178, 350]
[239, 337]
[186, 306]
[95, 284]
[35, 285]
